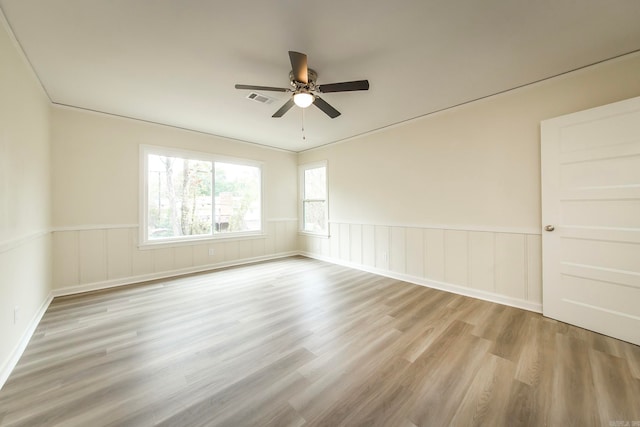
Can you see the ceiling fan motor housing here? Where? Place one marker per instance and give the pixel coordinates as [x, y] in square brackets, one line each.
[312, 76]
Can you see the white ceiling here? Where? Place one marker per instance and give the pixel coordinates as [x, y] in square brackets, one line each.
[176, 62]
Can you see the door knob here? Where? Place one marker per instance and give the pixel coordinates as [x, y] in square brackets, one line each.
[549, 228]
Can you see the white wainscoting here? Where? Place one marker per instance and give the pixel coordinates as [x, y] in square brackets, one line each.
[102, 256]
[495, 265]
[25, 282]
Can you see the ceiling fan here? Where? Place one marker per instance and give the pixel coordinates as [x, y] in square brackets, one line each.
[305, 89]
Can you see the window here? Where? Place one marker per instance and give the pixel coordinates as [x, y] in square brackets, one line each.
[313, 185]
[190, 196]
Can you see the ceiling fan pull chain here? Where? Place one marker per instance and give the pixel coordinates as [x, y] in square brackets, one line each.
[304, 138]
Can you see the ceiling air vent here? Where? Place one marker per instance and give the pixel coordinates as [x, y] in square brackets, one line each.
[254, 96]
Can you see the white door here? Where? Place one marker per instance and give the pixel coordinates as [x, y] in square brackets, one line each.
[591, 213]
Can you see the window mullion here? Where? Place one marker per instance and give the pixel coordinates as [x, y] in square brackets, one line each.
[314, 209]
[213, 198]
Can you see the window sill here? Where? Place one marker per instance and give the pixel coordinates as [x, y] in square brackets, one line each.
[200, 241]
[310, 234]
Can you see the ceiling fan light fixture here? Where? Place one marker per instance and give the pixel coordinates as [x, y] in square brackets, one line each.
[303, 99]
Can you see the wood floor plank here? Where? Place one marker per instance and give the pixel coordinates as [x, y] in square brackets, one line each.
[212, 406]
[575, 400]
[377, 400]
[299, 342]
[486, 399]
[440, 387]
[631, 354]
[523, 408]
[334, 385]
[623, 403]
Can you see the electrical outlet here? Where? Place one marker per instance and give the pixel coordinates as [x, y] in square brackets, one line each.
[16, 314]
[212, 252]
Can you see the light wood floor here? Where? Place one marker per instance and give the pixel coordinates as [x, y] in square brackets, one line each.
[301, 342]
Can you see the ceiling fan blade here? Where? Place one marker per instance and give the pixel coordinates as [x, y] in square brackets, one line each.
[345, 86]
[269, 88]
[286, 107]
[324, 106]
[299, 66]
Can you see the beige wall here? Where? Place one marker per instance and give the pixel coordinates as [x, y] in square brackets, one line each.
[25, 278]
[459, 189]
[474, 165]
[95, 164]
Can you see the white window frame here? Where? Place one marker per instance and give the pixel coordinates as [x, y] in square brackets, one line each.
[145, 242]
[301, 185]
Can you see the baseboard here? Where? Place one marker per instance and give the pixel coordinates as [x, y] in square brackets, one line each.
[15, 355]
[106, 284]
[443, 286]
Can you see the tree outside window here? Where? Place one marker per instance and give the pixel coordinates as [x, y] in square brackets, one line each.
[189, 197]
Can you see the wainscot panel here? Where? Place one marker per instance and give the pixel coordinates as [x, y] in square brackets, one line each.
[499, 266]
[88, 258]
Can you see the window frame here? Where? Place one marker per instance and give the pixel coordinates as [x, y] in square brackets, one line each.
[301, 187]
[145, 242]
